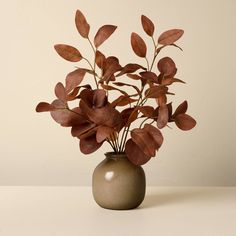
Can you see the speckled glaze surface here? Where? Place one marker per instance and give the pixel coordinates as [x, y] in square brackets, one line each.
[118, 184]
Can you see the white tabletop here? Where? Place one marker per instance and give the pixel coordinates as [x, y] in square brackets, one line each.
[71, 211]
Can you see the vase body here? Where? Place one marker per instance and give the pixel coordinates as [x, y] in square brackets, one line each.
[118, 184]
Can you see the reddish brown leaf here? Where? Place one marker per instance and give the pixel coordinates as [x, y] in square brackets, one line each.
[81, 24]
[155, 134]
[74, 94]
[169, 81]
[99, 98]
[130, 85]
[161, 100]
[60, 91]
[170, 36]
[167, 66]
[103, 132]
[109, 87]
[138, 45]
[100, 59]
[147, 111]
[123, 101]
[44, 106]
[156, 91]
[130, 68]
[80, 129]
[181, 109]
[185, 122]
[133, 76]
[67, 52]
[132, 117]
[151, 76]
[103, 34]
[135, 153]
[148, 25]
[144, 141]
[63, 116]
[89, 144]
[163, 116]
[74, 78]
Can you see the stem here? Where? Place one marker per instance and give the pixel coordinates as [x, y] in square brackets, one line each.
[111, 145]
[91, 45]
[93, 69]
[147, 63]
[143, 122]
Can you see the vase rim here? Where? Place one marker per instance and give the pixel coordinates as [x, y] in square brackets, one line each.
[115, 154]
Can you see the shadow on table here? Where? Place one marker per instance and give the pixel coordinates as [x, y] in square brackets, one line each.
[175, 196]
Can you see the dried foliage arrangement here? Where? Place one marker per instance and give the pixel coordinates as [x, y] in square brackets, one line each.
[97, 119]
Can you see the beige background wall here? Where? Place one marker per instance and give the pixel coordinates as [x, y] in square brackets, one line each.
[36, 151]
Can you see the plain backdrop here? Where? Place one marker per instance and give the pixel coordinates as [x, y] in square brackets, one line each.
[34, 150]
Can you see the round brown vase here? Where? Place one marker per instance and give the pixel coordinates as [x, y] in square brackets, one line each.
[117, 183]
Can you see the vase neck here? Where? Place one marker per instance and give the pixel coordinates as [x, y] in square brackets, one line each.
[115, 155]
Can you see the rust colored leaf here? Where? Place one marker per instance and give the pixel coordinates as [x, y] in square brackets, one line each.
[185, 122]
[181, 109]
[135, 153]
[109, 87]
[130, 85]
[167, 66]
[147, 111]
[161, 100]
[60, 91]
[134, 76]
[67, 52]
[74, 78]
[74, 94]
[144, 141]
[156, 91]
[155, 134]
[103, 34]
[148, 25]
[80, 129]
[81, 24]
[151, 76]
[163, 116]
[89, 144]
[99, 98]
[100, 59]
[44, 106]
[130, 68]
[123, 101]
[138, 45]
[103, 132]
[170, 36]
[169, 81]
[132, 117]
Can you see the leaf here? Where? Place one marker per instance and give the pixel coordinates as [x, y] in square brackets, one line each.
[100, 59]
[163, 116]
[185, 122]
[151, 76]
[99, 98]
[144, 141]
[103, 34]
[155, 134]
[170, 80]
[123, 101]
[67, 52]
[103, 132]
[170, 36]
[74, 94]
[130, 85]
[60, 91]
[109, 87]
[167, 66]
[44, 106]
[74, 78]
[134, 76]
[63, 116]
[148, 25]
[135, 153]
[138, 45]
[80, 129]
[81, 24]
[89, 144]
[132, 117]
[161, 100]
[130, 68]
[181, 109]
[147, 111]
[156, 91]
